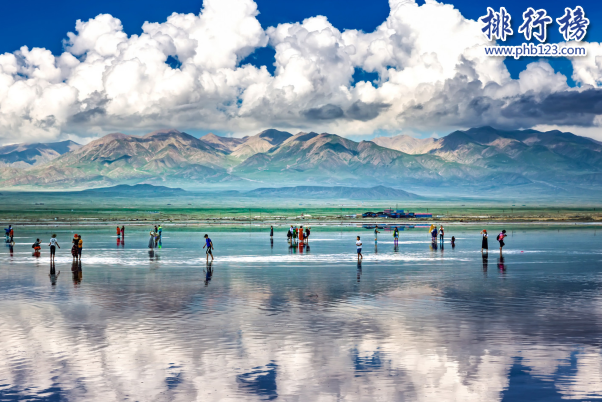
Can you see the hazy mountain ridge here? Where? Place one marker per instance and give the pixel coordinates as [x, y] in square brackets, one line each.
[334, 192]
[26, 155]
[480, 158]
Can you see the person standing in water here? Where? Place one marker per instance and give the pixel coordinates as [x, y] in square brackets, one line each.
[151, 241]
[209, 245]
[74, 247]
[396, 236]
[53, 245]
[376, 232]
[434, 235]
[453, 241]
[501, 238]
[307, 232]
[80, 245]
[484, 243]
[36, 248]
[123, 232]
[358, 244]
[441, 234]
[271, 232]
[118, 231]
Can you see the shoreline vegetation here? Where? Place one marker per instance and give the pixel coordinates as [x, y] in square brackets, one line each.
[144, 208]
[54, 216]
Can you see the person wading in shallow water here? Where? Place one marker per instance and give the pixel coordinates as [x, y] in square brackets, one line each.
[484, 243]
[209, 245]
[53, 245]
[80, 245]
[501, 238]
[358, 244]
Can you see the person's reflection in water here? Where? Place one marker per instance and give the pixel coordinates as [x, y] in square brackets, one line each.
[290, 248]
[359, 270]
[434, 246]
[442, 248]
[208, 273]
[500, 264]
[272, 243]
[307, 248]
[375, 248]
[118, 241]
[11, 248]
[53, 275]
[76, 270]
[485, 263]
[151, 254]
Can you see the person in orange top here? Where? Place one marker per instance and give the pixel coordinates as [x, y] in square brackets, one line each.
[301, 234]
[80, 245]
[118, 231]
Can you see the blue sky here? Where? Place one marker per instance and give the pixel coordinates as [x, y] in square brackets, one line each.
[45, 24]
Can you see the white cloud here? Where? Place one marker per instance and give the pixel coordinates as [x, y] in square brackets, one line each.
[430, 60]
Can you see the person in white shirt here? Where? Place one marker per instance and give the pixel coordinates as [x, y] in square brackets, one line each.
[358, 243]
[53, 245]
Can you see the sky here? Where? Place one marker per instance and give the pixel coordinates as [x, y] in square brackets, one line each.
[234, 67]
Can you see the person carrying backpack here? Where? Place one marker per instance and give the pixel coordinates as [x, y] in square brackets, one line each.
[36, 248]
[500, 238]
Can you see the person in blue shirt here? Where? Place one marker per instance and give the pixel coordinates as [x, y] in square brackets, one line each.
[209, 246]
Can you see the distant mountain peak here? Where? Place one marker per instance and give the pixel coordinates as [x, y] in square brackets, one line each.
[274, 137]
[164, 132]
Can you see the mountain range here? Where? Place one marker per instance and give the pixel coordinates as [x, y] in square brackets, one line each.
[26, 155]
[333, 193]
[479, 160]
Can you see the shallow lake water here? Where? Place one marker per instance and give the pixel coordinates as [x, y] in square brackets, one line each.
[266, 321]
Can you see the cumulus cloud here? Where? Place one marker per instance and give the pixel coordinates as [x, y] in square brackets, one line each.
[433, 75]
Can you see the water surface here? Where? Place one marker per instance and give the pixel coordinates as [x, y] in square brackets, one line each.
[266, 321]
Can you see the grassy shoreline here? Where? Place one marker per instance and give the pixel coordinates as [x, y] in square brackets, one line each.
[69, 210]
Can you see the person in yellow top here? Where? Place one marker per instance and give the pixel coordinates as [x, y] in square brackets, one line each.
[431, 229]
[80, 245]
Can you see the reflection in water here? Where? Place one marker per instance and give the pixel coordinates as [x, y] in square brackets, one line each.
[501, 264]
[275, 325]
[76, 271]
[485, 257]
[208, 273]
[271, 243]
[53, 275]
